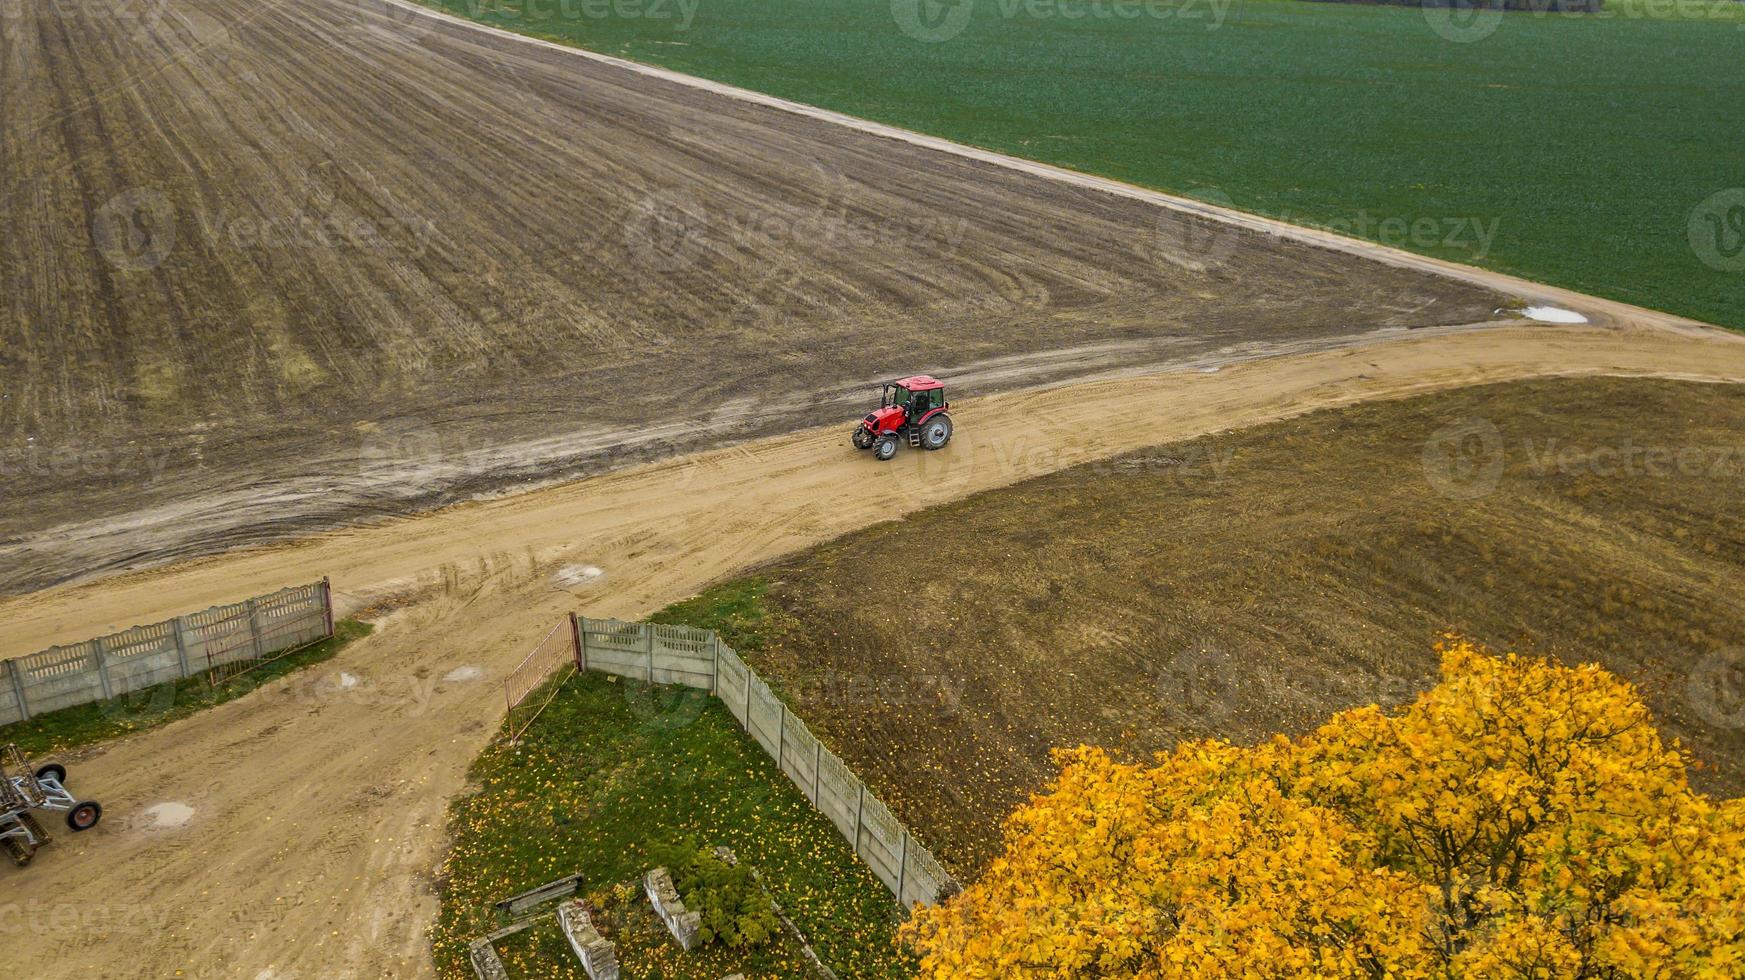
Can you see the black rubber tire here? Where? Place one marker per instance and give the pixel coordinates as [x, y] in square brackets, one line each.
[84, 816]
[936, 432]
[55, 769]
[885, 448]
[862, 438]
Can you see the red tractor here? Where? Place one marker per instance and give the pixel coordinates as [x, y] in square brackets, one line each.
[912, 409]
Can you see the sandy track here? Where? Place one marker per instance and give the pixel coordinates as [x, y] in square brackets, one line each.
[317, 808]
[302, 263]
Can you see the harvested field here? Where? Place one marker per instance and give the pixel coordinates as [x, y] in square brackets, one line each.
[1242, 584]
[275, 267]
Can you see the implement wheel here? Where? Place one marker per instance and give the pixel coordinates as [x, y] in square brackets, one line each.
[84, 816]
[54, 770]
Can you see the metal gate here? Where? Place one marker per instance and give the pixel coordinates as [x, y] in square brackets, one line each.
[238, 640]
[532, 684]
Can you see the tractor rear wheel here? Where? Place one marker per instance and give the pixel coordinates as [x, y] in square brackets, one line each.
[936, 432]
[863, 438]
[885, 448]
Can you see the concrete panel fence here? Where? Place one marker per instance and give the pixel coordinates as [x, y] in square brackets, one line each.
[145, 656]
[697, 658]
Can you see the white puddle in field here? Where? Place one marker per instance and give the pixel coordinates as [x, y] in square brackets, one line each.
[464, 674]
[578, 576]
[347, 681]
[166, 816]
[1552, 314]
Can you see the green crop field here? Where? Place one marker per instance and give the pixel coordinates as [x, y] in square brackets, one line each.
[1575, 150]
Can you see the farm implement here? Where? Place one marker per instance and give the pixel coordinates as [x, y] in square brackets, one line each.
[911, 409]
[24, 792]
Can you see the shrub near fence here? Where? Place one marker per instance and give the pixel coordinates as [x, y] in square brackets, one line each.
[661, 654]
[146, 656]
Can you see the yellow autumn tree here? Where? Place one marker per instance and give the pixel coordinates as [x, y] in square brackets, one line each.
[1520, 819]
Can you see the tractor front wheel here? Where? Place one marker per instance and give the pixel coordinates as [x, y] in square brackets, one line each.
[885, 448]
[863, 438]
[936, 432]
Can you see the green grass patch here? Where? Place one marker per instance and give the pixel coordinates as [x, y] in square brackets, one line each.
[611, 776]
[138, 711]
[1576, 150]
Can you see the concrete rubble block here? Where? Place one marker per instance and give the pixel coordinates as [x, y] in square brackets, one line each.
[599, 957]
[664, 896]
[485, 962]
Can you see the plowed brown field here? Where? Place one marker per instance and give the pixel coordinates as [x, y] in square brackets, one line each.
[269, 267]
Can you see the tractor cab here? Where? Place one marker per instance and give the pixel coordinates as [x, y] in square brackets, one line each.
[911, 409]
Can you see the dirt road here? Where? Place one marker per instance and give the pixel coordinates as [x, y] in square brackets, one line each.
[317, 806]
[304, 263]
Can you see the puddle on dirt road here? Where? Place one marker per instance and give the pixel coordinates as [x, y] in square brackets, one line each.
[468, 673]
[347, 681]
[578, 576]
[164, 816]
[1552, 314]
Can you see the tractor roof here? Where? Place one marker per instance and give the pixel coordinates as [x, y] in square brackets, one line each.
[920, 382]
